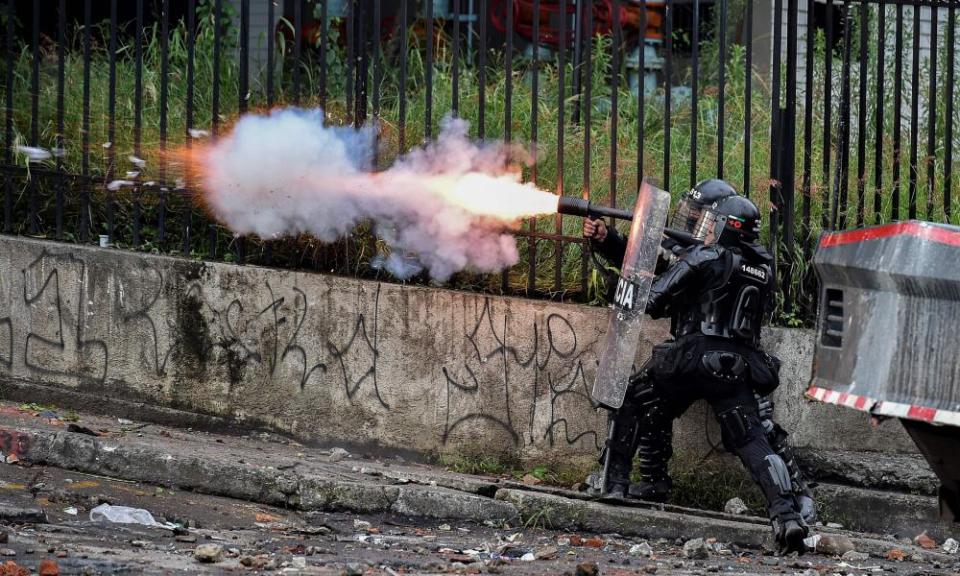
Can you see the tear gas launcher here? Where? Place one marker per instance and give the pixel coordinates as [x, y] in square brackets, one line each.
[587, 209]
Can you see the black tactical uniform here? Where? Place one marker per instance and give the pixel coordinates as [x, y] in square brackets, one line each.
[716, 294]
[685, 219]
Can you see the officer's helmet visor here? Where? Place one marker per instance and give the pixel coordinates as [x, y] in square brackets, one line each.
[709, 227]
[687, 215]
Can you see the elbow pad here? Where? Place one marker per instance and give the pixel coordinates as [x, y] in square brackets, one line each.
[666, 287]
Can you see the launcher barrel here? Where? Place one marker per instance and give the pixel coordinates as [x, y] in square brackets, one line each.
[581, 207]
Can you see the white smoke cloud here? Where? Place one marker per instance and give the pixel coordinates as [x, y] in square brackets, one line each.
[443, 207]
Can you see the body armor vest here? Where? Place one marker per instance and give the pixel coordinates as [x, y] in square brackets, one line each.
[732, 305]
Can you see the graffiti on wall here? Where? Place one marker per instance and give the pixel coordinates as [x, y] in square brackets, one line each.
[82, 320]
[543, 363]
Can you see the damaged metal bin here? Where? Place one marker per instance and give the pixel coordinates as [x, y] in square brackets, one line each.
[887, 339]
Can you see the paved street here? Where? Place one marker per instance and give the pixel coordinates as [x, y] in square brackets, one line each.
[45, 511]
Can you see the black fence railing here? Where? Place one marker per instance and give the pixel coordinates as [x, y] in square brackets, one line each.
[103, 97]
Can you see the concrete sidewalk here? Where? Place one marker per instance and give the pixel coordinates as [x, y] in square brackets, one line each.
[271, 470]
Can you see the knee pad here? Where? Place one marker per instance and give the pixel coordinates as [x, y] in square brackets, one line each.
[779, 474]
[764, 407]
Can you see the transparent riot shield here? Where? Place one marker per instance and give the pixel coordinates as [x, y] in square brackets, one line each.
[630, 300]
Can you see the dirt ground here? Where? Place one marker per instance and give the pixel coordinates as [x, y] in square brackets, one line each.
[252, 538]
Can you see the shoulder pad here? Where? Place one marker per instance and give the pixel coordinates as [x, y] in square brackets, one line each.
[759, 252]
[697, 255]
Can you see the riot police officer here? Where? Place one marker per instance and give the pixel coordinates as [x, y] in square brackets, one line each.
[716, 292]
[610, 244]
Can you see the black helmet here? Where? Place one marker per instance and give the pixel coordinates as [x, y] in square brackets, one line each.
[702, 196]
[728, 221]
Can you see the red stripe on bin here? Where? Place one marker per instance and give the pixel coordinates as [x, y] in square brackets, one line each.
[912, 228]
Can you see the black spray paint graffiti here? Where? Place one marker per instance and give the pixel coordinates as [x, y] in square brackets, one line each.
[256, 338]
[148, 293]
[360, 335]
[548, 360]
[43, 294]
[7, 359]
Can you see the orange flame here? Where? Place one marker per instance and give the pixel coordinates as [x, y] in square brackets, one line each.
[501, 197]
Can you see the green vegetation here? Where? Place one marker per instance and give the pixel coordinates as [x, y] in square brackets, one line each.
[558, 268]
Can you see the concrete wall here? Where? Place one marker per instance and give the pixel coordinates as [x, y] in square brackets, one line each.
[342, 361]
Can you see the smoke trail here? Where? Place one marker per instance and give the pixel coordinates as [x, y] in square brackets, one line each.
[445, 207]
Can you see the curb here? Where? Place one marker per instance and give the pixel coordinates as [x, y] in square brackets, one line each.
[264, 485]
[559, 512]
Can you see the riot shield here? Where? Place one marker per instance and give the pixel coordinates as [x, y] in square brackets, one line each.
[630, 300]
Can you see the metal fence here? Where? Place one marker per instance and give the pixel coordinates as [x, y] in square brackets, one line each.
[602, 92]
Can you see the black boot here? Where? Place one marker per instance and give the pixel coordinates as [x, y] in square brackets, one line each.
[616, 458]
[654, 450]
[651, 491]
[789, 531]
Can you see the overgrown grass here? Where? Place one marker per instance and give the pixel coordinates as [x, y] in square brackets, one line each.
[558, 268]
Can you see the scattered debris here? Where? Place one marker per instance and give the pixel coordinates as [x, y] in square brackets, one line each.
[34, 153]
[115, 185]
[834, 525]
[547, 553]
[695, 549]
[12, 458]
[531, 480]
[49, 568]
[72, 510]
[7, 552]
[444, 528]
[138, 162]
[197, 133]
[528, 557]
[854, 556]
[258, 562]
[127, 515]
[11, 568]
[735, 506]
[337, 454]
[641, 549]
[361, 524]
[594, 543]
[587, 569]
[208, 553]
[188, 538]
[298, 562]
[264, 517]
[951, 546]
[925, 542]
[81, 430]
[833, 545]
[896, 555]
[124, 421]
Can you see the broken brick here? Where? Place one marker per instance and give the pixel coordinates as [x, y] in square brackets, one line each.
[896, 555]
[49, 568]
